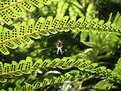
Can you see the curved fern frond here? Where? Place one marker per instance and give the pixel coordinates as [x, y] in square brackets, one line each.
[27, 66]
[45, 82]
[70, 76]
[117, 70]
[16, 8]
[22, 32]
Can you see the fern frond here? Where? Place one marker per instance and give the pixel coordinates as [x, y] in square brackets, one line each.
[53, 80]
[21, 33]
[17, 8]
[27, 66]
[117, 70]
[86, 69]
[70, 76]
[103, 85]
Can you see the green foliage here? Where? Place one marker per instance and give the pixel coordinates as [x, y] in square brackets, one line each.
[21, 33]
[116, 70]
[92, 52]
[86, 70]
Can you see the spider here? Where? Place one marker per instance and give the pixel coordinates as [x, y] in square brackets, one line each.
[59, 46]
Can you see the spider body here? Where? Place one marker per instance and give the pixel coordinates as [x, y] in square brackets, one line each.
[59, 46]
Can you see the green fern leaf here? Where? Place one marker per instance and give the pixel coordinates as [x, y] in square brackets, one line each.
[103, 85]
[1, 68]
[39, 26]
[36, 3]
[37, 63]
[116, 71]
[55, 25]
[17, 8]
[22, 32]
[5, 17]
[47, 2]
[27, 6]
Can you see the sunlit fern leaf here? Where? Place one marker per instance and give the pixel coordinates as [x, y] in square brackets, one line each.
[102, 71]
[39, 26]
[5, 17]
[29, 63]
[19, 11]
[55, 62]
[98, 26]
[36, 3]
[67, 62]
[78, 62]
[54, 25]
[77, 11]
[64, 62]
[11, 12]
[72, 14]
[14, 67]
[16, 8]
[93, 23]
[1, 34]
[3, 49]
[92, 66]
[37, 63]
[31, 29]
[7, 35]
[22, 29]
[61, 8]
[46, 63]
[86, 69]
[27, 6]
[76, 3]
[79, 22]
[46, 25]
[71, 23]
[63, 22]
[117, 70]
[6, 3]
[16, 33]
[31, 24]
[84, 65]
[1, 4]
[26, 66]
[21, 65]
[6, 68]
[48, 22]
[47, 1]
[1, 68]
[22, 32]
[103, 85]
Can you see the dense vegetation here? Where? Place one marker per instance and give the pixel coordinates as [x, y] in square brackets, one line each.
[89, 33]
